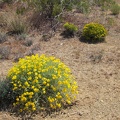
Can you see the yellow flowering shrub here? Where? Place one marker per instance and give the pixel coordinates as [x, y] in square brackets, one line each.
[94, 32]
[42, 82]
[71, 28]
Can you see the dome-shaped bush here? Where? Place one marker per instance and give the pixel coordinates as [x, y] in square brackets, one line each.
[94, 32]
[70, 27]
[42, 82]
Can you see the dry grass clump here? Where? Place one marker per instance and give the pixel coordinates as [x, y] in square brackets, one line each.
[13, 23]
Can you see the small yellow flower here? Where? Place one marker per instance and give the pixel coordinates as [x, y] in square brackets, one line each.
[35, 70]
[29, 78]
[14, 85]
[33, 87]
[32, 103]
[48, 80]
[35, 81]
[54, 76]
[31, 93]
[21, 110]
[59, 82]
[58, 105]
[58, 96]
[26, 105]
[68, 101]
[39, 76]
[14, 88]
[30, 96]
[36, 73]
[29, 73]
[26, 84]
[48, 85]
[33, 109]
[14, 77]
[76, 92]
[44, 92]
[44, 82]
[54, 89]
[36, 90]
[14, 104]
[17, 99]
[23, 99]
[51, 99]
[52, 106]
[64, 90]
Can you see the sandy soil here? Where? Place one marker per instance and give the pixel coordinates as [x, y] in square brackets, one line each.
[97, 71]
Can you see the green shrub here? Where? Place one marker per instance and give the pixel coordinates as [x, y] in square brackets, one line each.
[104, 2]
[115, 9]
[48, 10]
[42, 82]
[7, 1]
[70, 28]
[6, 93]
[94, 32]
[83, 6]
[51, 8]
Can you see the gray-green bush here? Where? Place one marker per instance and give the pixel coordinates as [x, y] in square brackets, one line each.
[52, 8]
[83, 6]
[7, 1]
[6, 94]
[4, 52]
[3, 37]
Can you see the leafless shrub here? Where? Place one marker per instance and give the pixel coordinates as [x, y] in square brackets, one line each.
[28, 42]
[20, 37]
[4, 52]
[3, 37]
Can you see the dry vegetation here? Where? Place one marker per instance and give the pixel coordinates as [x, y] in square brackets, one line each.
[95, 66]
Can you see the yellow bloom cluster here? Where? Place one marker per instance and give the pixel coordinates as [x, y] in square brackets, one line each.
[40, 81]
